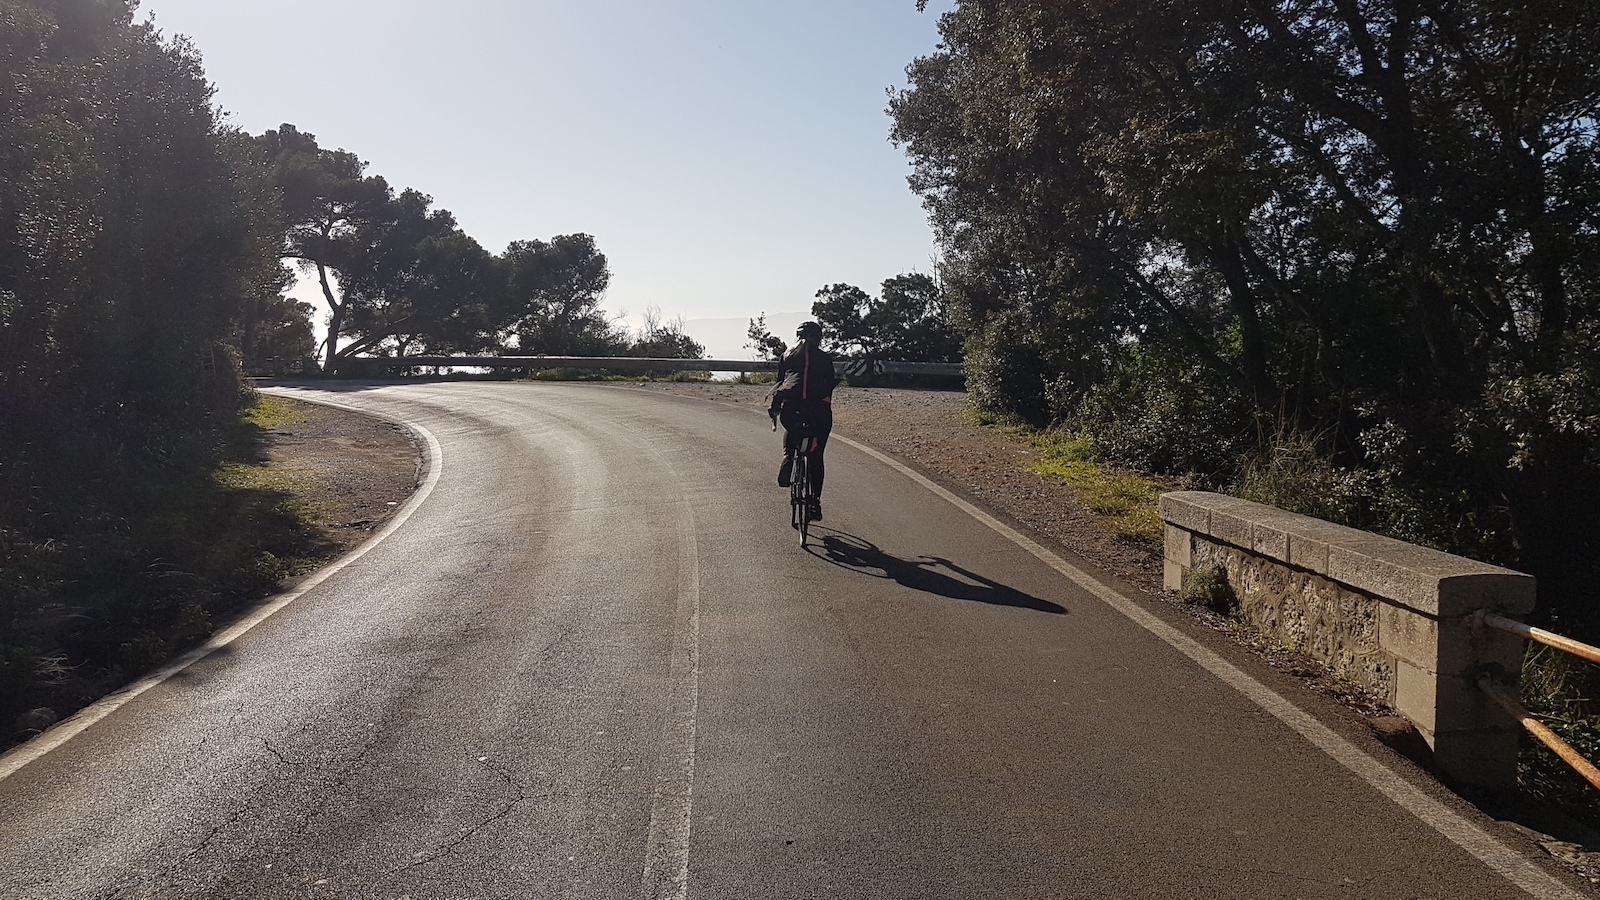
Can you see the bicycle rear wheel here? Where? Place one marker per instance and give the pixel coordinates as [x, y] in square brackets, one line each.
[797, 497]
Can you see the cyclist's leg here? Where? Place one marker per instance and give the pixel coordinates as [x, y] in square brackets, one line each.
[792, 423]
[822, 424]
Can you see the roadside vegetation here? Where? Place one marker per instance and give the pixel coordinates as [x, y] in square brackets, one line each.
[602, 375]
[138, 569]
[1564, 692]
[1343, 259]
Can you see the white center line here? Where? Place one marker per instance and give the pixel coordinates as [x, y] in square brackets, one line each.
[666, 861]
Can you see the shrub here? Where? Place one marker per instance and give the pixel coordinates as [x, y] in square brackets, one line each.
[1208, 586]
[1155, 416]
[1007, 369]
[1393, 494]
[1564, 693]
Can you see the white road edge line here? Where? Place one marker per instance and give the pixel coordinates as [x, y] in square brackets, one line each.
[1469, 837]
[666, 860]
[71, 727]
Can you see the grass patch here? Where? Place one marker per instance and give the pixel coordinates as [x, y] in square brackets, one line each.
[1126, 502]
[985, 419]
[605, 375]
[282, 482]
[1208, 586]
[269, 412]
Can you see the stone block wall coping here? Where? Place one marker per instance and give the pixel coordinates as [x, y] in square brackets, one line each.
[1428, 581]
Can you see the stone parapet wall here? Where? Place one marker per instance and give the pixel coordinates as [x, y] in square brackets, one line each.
[1319, 617]
[1399, 619]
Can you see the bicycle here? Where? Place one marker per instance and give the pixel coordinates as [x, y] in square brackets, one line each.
[800, 485]
[800, 489]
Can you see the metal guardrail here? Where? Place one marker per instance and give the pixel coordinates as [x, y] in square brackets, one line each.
[1507, 701]
[635, 364]
[616, 364]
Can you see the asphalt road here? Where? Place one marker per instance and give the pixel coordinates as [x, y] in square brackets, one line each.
[593, 662]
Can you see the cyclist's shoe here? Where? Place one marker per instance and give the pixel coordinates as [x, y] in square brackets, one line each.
[786, 472]
[814, 510]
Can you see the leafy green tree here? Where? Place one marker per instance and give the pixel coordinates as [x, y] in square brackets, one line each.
[132, 225]
[277, 327]
[552, 299]
[1373, 222]
[841, 311]
[907, 322]
[330, 208]
[453, 299]
[763, 341]
[909, 318]
[138, 234]
[412, 278]
[407, 277]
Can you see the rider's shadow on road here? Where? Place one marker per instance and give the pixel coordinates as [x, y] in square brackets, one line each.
[932, 574]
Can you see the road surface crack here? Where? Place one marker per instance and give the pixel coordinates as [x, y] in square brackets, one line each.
[273, 750]
[548, 651]
[467, 834]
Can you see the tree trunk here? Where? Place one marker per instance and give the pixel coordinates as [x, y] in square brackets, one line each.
[1229, 261]
[335, 321]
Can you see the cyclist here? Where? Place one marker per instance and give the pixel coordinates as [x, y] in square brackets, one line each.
[803, 402]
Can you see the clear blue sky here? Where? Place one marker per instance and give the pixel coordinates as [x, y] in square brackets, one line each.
[729, 156]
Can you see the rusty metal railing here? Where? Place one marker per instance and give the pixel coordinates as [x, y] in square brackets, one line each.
[1548, 638]
[1513, 705]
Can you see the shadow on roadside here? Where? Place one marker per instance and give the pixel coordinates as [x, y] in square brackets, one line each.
[929, 574]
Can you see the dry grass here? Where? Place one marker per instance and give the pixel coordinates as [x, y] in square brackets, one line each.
[1564, 693]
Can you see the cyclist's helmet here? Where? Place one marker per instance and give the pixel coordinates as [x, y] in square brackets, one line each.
[809, 331]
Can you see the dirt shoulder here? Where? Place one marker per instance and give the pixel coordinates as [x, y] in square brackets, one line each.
[350, 472]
